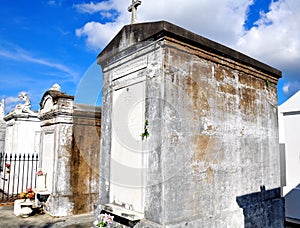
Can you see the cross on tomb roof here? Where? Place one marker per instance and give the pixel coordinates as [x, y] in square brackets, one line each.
[133, 8]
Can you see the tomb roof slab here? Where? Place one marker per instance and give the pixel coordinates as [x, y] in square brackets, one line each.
[132, 34]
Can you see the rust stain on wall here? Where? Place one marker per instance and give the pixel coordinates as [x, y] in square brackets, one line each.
[228, 89]
[85, 163]
[222, 73]
[248, 98]
[201, 147]
[210, 175]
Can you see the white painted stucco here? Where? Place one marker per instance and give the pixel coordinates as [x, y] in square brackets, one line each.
[289, 125]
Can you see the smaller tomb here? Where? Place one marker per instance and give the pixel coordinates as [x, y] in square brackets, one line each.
[22, 137]
[70, 141]
[23, 129]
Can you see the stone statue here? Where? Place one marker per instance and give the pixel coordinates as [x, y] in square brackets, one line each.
[25, 107]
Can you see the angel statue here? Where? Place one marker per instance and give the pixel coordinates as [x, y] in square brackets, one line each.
[25, 107]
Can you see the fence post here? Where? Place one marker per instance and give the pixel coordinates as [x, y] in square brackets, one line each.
[13, 175]
[18, 181]
[3, 178]
[36, 168]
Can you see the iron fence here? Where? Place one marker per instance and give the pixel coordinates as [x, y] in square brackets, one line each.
[17, 172]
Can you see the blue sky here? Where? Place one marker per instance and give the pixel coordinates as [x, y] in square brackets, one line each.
[43, 42]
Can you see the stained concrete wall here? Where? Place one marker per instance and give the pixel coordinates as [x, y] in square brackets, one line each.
[224, 139]
[212, 120]
[85, 157]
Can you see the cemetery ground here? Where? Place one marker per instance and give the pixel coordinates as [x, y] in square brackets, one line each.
[42, 220]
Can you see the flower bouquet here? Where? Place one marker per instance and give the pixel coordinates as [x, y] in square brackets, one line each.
[7, 166]
[39, 173]
[28, 194]
[104, 220]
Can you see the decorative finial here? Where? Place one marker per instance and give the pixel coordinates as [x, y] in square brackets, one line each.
[55, 87]
[133, 8]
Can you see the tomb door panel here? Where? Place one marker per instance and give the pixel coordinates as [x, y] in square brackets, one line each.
[127, 157]
[47, 157]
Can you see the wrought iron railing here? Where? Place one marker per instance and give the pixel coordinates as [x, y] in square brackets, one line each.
[17, 173]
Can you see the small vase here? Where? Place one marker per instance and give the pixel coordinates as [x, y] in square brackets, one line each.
[27, 200]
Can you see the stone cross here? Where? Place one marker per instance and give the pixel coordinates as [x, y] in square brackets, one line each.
[133, 8]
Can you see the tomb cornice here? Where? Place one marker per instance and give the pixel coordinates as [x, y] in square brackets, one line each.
[88, 111]
[89, 115]
[18, 116]
[55, 122]
[137, 34]
[55, 113]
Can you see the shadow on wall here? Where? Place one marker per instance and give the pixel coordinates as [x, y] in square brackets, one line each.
[263, 209]
[292, 207]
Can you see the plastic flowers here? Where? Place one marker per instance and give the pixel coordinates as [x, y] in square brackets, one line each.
[28, 194]
[7, 167]
[39, 173]
[104, 220]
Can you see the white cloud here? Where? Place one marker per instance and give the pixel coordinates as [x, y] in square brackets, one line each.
[11, 99]
[98, 34]
[54, 3]
[214, 19]
[51, 3]
[291, 88]
[286, 88]
[276, 40]
[219, 20]
[94, 8]
[107, 14]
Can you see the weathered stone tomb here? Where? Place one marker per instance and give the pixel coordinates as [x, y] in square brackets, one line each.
[22, 129]
[70, 140]
[189, 128]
